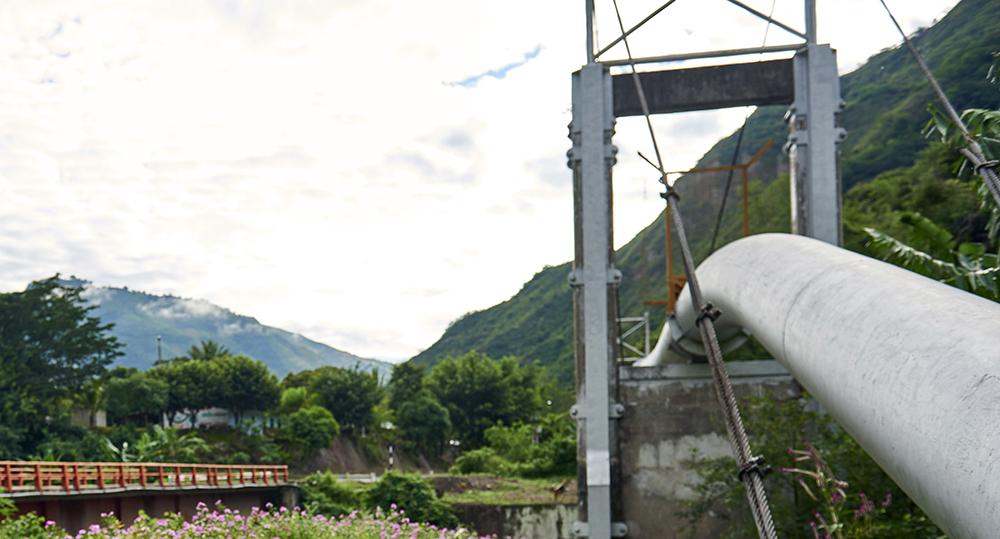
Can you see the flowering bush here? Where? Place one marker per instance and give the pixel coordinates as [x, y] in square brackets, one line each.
[222, 523]
[410, 493]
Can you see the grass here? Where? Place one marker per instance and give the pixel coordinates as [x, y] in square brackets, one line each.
[488, 490]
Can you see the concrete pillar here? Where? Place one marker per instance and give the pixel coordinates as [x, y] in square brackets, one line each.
[672, 411]
[814, 135]
[594, 280]
[291, 496]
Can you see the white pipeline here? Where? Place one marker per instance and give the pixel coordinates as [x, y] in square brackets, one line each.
[908, 366]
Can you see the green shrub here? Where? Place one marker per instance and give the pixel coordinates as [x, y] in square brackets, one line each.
[311, 428]
[30, 526]
[545, 448]
[6, 507]
[554, 458]
[237, 457]
[411, 494]
[480, 461]
[322, 494]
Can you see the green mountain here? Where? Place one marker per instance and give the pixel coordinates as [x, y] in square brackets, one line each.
[886, 108]
[139, 318]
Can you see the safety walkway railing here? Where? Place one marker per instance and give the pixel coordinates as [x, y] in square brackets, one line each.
[21, 477]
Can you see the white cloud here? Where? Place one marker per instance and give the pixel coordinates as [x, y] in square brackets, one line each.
[310, 165]
[183, 308]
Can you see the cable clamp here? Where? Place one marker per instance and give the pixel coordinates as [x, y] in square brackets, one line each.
[708, 311]
[670, 193]
[987, 164]
[756, 465]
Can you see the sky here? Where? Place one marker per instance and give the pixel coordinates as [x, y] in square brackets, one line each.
[362, 172]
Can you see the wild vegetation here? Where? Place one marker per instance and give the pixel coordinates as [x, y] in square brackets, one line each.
[823, 483]
[466, 403]
[278, 523]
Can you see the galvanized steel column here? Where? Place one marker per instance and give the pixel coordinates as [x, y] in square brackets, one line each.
[594, 279]
[814, 135]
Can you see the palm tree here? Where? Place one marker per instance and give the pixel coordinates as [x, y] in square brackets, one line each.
[169, 445]
[208, 349]
[91, 398]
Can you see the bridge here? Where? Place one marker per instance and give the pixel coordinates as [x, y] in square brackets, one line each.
[906, 365]
[75, 494]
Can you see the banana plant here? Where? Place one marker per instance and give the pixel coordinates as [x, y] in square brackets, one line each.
[933, 253]
[984, 126]
[118, 453]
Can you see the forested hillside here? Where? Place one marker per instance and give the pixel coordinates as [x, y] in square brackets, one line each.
[139, 318]
[886, 109]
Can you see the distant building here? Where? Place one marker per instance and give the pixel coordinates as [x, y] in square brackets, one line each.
[89, 418]
[209, 418]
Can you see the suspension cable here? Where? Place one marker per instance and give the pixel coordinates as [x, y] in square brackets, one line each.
[751, 469]
[973, 152]
[729, 184]
[739, 145]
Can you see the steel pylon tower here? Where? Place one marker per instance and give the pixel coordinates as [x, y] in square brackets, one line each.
[808, 83]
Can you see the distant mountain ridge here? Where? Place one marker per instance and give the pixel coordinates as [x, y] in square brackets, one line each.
[139, 317]
[886, 107]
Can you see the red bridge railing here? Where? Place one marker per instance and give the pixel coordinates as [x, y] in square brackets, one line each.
[86, 477]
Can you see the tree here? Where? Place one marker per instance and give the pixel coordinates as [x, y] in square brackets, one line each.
[349, 394]
[92, 398]
[294, 399]
[424, 423]
[138, 397]
[207, 350]
[311, 428]
[246, 384]
[406, 383]
[479, 392]
[192, 385]
[50, 347]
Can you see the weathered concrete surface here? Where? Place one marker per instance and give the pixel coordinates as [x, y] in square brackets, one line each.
[520, 521]
[670, 412]
[704, 88]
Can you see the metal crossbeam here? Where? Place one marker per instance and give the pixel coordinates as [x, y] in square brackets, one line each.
[723, 53]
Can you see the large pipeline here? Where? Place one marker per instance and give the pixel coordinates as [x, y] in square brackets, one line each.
[908, 366]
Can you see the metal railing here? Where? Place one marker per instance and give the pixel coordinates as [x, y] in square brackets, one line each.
[18, 477]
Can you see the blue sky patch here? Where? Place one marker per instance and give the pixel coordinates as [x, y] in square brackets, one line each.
[500, 73]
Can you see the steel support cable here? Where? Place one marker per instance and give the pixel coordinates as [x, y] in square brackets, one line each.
[736, 152]
[619, 39]
[973, 152]
[749, 472]
[729, 184]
